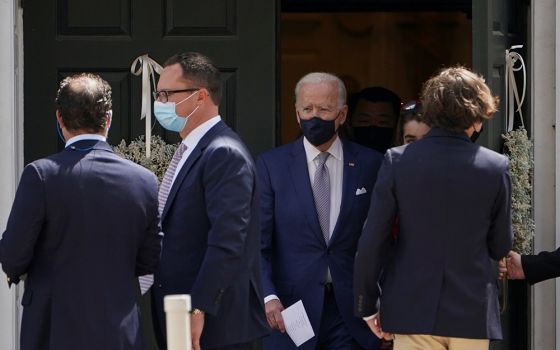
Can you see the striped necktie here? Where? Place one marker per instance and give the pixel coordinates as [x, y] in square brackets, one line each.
[322, 194]
[148, 280]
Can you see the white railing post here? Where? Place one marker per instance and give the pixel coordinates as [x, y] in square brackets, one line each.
[178, 321]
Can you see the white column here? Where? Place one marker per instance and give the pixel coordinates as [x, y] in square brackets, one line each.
[544, 112]
[11, 146]
[556, 21]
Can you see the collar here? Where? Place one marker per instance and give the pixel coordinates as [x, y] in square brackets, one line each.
[81, 137]
[311, 152]
[194, 136]
[439, 132]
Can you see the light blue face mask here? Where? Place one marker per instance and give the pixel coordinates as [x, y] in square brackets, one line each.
[167, 116]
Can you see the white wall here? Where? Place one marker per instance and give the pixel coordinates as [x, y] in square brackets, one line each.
[11, 146]
[545, 41]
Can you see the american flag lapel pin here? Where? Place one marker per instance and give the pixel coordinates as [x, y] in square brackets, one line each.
[350, 164]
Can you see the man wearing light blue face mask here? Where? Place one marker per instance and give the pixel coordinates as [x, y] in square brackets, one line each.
[209, 214]
[166, 111]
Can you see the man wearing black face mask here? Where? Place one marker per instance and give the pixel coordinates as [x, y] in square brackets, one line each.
[314, 198]
[453, 201]
[374, 113]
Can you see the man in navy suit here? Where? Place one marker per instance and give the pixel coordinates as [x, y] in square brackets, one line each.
[211, 243]
[453, 201]
[315, 193]
[83, 224]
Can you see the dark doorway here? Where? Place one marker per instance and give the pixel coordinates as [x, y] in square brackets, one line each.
[398, 44]
[398, 50]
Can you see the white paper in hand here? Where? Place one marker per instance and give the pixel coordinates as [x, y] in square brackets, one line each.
[297, 323]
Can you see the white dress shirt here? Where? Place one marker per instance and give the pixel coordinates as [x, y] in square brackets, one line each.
[335, 166]
[192, 139]
[85, 137]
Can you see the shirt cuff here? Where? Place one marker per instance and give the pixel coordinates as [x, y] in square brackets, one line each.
[368, 318]
[270, 297]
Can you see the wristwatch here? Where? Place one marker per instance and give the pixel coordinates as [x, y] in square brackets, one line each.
[196, 312]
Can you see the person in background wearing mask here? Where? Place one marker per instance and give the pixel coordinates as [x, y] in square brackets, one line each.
[374, 112]
[209, 214]
[83, 224]
[453, 200]
[411, 126]
[315, 193]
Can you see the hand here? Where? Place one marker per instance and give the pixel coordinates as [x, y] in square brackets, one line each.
[273, 316]
[375, 325]
[502, 268]
[514, 267]
[197, 324]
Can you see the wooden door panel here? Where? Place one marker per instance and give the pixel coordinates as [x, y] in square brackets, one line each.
[105, 36]
[215, 18]
[93, 17]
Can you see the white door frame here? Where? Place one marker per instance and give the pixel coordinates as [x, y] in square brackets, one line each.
[11, 146]
[545, 102]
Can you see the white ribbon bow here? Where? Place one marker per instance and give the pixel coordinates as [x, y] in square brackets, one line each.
[147, 69]
[512, 95]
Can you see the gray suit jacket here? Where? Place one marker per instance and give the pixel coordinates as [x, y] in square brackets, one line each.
[452, 198]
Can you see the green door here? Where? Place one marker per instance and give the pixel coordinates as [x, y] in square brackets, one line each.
[62, 37]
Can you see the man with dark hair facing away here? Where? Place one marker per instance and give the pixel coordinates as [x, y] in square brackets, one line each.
[83, 225]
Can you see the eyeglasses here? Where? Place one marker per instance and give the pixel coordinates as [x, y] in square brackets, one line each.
[163, 96]
[411, 106]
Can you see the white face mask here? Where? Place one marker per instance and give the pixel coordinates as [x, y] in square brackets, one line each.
[166, 115]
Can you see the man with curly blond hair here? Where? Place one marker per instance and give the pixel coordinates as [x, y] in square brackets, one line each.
[453, 200]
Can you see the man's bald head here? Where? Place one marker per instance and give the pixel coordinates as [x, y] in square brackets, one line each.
[84, 102]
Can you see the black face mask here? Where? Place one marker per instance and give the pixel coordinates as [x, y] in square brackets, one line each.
[476, 134]
[379, 139]
[316, 130]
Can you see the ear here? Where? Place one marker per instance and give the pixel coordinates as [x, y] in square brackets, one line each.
[203, 94]
[59, 119]
[109, 118]
[344, 111]
[478, 124]
[297, 115]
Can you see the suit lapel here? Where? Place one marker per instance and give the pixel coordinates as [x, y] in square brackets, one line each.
[349, 185]
[300, 178]
[191, 160]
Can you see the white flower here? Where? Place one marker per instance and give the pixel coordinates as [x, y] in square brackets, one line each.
[519, 150]
[136, 152]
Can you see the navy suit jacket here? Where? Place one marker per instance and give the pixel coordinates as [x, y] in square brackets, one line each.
[295, 254]
[453, 200]
[541, 267]
[83, 225]
[211, 244]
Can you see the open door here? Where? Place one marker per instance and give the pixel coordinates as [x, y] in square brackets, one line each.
[498, 24]
[105, 36]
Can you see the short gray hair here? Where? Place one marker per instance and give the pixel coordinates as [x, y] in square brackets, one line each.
[321, 77]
